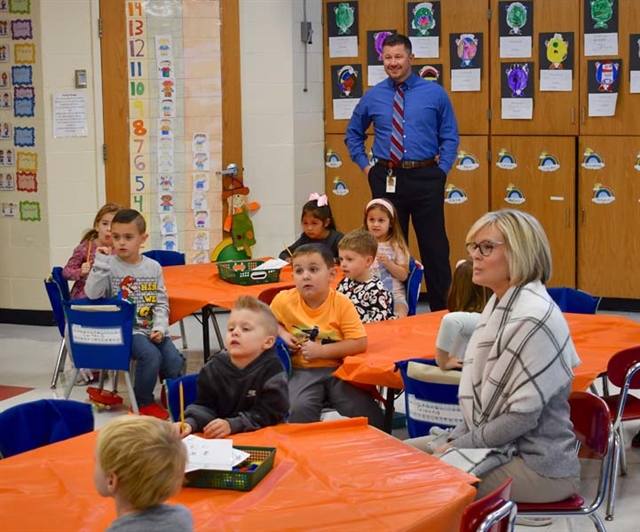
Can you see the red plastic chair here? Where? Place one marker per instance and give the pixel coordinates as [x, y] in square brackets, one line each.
[495, 512]
[266, 296]
[623, 371]
[591, 420]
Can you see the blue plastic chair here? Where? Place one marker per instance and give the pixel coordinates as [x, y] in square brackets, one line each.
[413, 284]
[100, 336]
[31, 425]
[170, 258]
[428, 404]
[283, 353]
[172, 390]
[576, 301]
[58, 291]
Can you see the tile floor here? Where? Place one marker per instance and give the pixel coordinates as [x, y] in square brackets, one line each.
[27, 358]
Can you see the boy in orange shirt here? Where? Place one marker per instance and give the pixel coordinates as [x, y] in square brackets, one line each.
[321, 326]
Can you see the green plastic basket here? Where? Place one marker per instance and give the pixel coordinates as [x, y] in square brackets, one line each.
[235, 480]
[240, 272]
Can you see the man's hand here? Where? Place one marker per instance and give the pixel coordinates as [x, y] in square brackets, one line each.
[366, 170]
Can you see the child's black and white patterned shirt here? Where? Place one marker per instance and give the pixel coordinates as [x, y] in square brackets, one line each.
[371, 299]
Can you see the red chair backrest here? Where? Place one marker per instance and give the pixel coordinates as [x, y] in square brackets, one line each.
[591, 420]
[266, 296]
[475, 513]
[619, 366]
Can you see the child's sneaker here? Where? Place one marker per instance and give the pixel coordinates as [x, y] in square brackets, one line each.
[154, 410]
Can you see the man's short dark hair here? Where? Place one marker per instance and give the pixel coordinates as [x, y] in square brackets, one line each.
[397, 38]
[127, 216]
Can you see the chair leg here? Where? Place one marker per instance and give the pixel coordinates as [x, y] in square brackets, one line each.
[62, 355]
[67, 392]
[605, 386]
[613, 484]
[597, 521]
[184, 335]
[132, 395]
[216, 326]
[623, 454]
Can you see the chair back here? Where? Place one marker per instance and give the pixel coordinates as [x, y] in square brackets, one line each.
[55, 293]
[413, 284]
[619, 366]
[283, 353]
[576, 301]
[266, 296]
[166, 258]
[494, 512]
[591, 420]
[431, 396]
[172, 389]
[31, 425]
[100, 332]
[63, 284]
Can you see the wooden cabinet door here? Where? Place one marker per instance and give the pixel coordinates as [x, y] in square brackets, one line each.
[609, 218]
[346, 186]
[467, 192]
[627, 114]
[554, 113]
[542, 184]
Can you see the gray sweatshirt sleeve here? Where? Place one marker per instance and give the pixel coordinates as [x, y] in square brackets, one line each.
[99, 280]
[500, 431]
[161, 309]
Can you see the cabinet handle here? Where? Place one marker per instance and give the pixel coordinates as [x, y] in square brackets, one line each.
[582, 112]
[568, 219]
[573, 116]
[584, 217]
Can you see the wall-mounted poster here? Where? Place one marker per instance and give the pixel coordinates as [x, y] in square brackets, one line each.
[600, 27]
[556, 52]
[424, 28]
[342, 25]
[346, 89]
[515, 28]
[375, 68]
[466, 61]
[517, 91]
[603, 84]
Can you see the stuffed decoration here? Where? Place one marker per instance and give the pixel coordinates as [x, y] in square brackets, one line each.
[237, 221]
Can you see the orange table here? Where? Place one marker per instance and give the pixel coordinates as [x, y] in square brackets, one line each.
[597, 338]
[338, 475]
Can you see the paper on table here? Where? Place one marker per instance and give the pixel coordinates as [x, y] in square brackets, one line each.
[272, 264]
[212, 454]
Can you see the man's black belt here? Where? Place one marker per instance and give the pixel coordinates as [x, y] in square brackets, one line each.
[406, 164]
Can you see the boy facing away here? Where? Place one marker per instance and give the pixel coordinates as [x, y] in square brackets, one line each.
[372, 300]
[243, 387]
[140, 462]
[320, 327]
[138, 279]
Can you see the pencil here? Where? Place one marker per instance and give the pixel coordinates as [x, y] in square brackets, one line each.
[288, 250]
[89, 251]
[181, 409]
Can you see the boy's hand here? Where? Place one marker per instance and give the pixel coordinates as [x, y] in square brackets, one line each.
[85, 269]
[311, 350]
[156, 336]
[218, 428]
[292, 342]
[188, 429]
[104, 250]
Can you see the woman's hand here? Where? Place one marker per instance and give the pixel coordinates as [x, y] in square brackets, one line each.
[453, 363]
[443, 448]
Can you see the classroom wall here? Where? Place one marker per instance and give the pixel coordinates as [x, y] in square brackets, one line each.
[69, 175]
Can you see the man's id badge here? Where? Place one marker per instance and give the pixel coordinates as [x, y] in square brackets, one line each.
[391, 182]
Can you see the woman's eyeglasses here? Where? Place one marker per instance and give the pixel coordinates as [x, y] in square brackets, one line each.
[485, 247]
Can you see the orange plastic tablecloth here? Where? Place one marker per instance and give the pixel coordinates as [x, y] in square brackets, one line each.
[338, 475]
[193, 286]
[596, 337]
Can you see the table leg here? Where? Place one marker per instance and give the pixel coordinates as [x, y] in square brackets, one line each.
[389, 409]
[206, 347]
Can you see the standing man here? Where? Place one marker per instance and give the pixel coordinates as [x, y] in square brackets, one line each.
[415, 144]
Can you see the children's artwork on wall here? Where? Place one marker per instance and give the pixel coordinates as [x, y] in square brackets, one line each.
[634, 63]
[375, 69]
[168, 224]
[200, 182]
[342, 25]
[424, 28]
[592, 160]
[556, 52]
[517, 91]
[169, 242]
[6, 131]
[201, 161]
[21, 75]
[165, 68]
[30, 211]
[516, 29]
[24, 136]
[430, 72]
[602, 194]
[199, 201]
[514, 195]
[603, 79]
[4, 79]
[26, 182]
[238, 222]
[600, 27]
[7, 181]
[200, 258]
[166, 183]
[201, 241]
[346, 89]
[24, 54]
[454, 195]
[548, 162]
[4, 28]
[9, 209]
[466, 56]
[164, 46]
[6, 101]
[21, 29]
[467, 162]
[506, 160]
[27, 162]
[4, 53]
[340, 187]
[201, 219]
[165, 202]
[22, 7]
